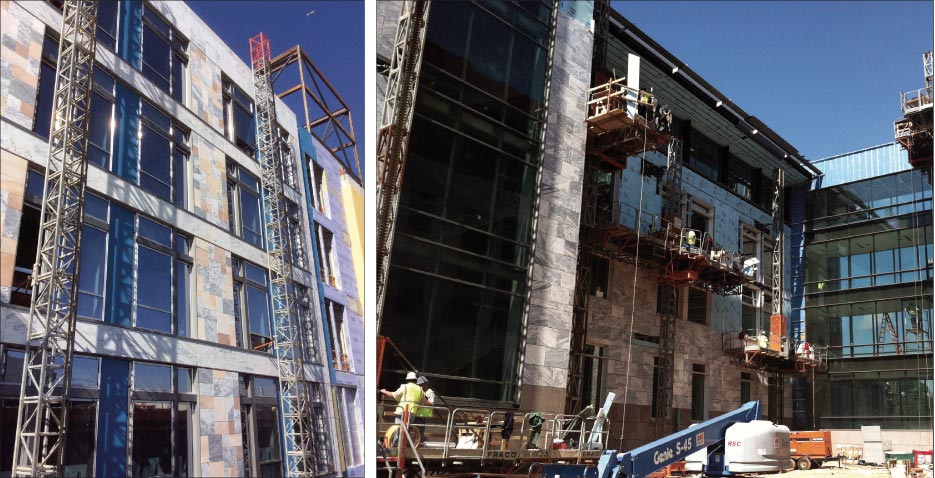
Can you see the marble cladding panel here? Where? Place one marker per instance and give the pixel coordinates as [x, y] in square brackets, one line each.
[554, 263]
[206, 95]
[209, 201]
[12, 188]
[20, 57]
[214, 294]
[221, 436]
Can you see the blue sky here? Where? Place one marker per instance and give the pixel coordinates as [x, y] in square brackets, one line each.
[826, 76]
[333, 37]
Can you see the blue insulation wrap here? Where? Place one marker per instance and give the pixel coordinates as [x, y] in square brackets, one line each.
[119, 282]
[112, 419]
[130, 43]
[126, 136]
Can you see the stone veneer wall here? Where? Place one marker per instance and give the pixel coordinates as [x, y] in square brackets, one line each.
[548, 323]
[609, 327]
[214, 289]
[20, 54]
[221, 435]
[206, 94]
[12, 188]
[209, 178]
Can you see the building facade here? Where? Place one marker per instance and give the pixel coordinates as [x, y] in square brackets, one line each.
[334, 196]
[481, 287]
[173, 371]
[863, 288]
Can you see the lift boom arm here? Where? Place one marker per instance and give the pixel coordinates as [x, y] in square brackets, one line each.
[639, 462]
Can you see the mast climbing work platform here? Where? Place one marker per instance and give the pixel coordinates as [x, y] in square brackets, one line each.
[393, 137]
[287, 337]
[43, 401]
[914, 130]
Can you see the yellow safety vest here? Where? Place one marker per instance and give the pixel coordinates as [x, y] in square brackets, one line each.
[412, 395]
[424, 411]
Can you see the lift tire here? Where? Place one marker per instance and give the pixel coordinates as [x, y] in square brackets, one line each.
[803, 463]
[391, 438]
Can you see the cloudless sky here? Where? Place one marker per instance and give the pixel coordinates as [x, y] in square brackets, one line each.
[825, 76]
[333, 37]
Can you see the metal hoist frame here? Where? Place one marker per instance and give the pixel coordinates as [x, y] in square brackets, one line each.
[393, 139]
[574, 389]
[43, 411]
[778, 246]
[672, 211]
[287, 339]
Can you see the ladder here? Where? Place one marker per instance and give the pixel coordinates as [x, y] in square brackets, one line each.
[393, 138]
[887, 326]
[43, 401]
[287, 336]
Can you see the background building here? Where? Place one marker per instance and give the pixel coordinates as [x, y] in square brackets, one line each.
[864, 289]
[173, 371]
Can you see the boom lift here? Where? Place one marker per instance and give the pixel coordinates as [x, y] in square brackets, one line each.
[43, 400]
[640, 462]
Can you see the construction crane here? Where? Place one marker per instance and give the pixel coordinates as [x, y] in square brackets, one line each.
[393, 138]
[287, 335]
[43, 401]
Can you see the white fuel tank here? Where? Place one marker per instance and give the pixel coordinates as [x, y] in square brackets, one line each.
[696, 460]
[755, 447]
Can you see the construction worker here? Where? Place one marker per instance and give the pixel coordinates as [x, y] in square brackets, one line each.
[407, 394]
[690, 239]
[425, 411]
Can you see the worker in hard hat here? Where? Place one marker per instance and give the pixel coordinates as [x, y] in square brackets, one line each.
[690, 239]
[428, 401]
[407, 394]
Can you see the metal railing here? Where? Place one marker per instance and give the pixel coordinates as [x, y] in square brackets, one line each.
[482, 434]
[914, 100]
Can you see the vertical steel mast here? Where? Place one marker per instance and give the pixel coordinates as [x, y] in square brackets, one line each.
[672, 213]
[43, 410]
[287, 341]
[393, 138]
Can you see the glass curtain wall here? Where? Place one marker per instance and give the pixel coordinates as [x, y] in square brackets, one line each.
[868, 269]
[457, 283]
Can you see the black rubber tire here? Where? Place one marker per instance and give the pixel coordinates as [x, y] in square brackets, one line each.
[803, 463]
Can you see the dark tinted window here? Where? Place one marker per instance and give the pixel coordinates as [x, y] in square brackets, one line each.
[154, 297]
[84, 371]
[152, 377]
[91, 273]
[107, 24]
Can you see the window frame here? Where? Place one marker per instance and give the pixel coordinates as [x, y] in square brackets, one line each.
[249, 400]
[176, 257]
[242, 316]
[341, 357]
[231, 95]
[177, 47]
[178, 138]
[236, 186]
[176, 400]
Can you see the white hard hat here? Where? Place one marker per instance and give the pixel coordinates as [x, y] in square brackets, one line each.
[411, 376]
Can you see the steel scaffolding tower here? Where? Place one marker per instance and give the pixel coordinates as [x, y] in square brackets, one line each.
[43, 410]
[287, 340]
[393, 139]
[672, 211]
[777, 231]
